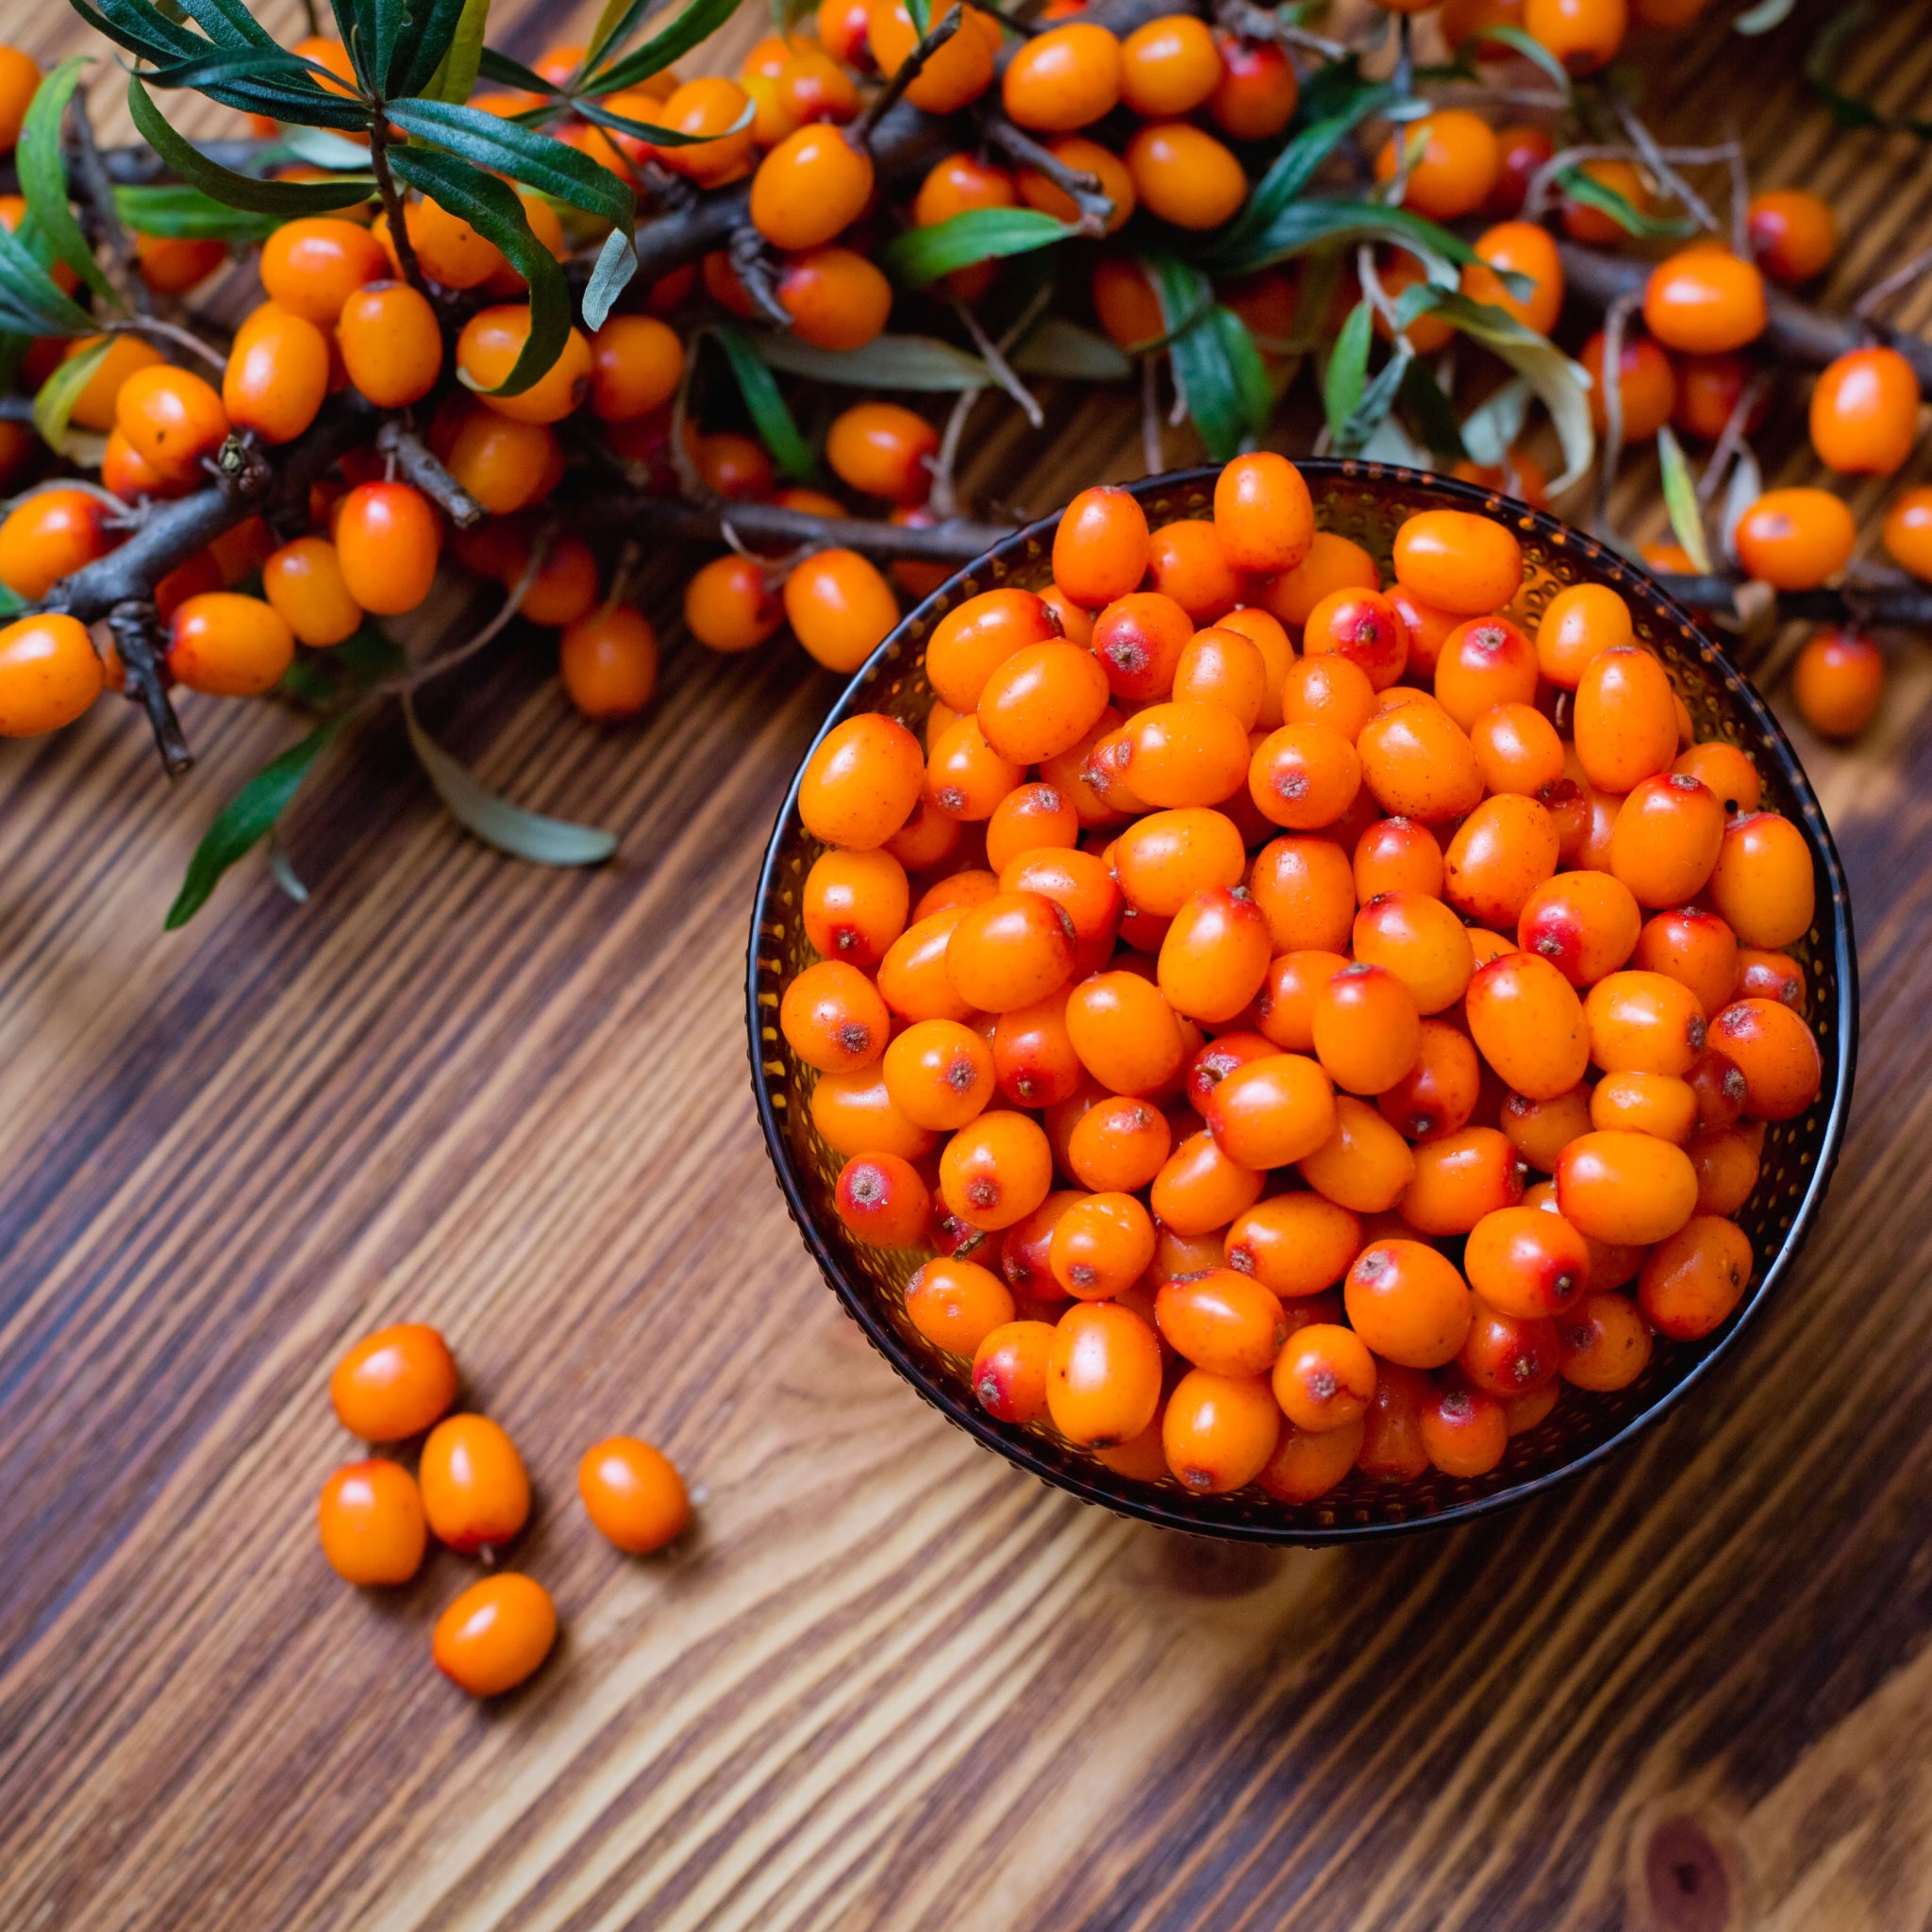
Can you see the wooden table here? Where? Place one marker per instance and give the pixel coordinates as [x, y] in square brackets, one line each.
[891, 1682]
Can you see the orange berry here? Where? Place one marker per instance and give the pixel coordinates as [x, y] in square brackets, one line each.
[394, 1383]
[1418, 762]
[1103, 1374]
[608, 659]
[958, 72]
[810, 188]
[1100, 547]
[996, 1170]
[387, 538]
[1273, 1112]
[1625, 719]
[1704, 299]
[1909, 530]
[1775, 1051]
[633, 1494]
[277, 378]
[229, 647]
[1578, 624]
[488, 349]
[1795, 539]
[883, 450]
[715, 108]
[1263, 513]
[1009, 1371]
[310, 267]
[1865, 412]
[48, 536]
[1458, 561]
[475, 1490]
[371, 1518]
[170, 418]
[861, 783]
[1838, 680]
[1584, 35]
[1125, 1032]
[1138, 639]
[1064, 79]
[1646, 387]
[1452, 164]
[1523, 248]
[835, 298]
[1219, 1432]
[1794, 234]
[94, 408]
[1625, 1187]
[495, 1633]
[840, 607]
[1087, 158]
[391, 343]
[1182, 174]
[1528, 1023]
[1256, 93]
[1407, 1303]
[1693, 1282]
[20, 77]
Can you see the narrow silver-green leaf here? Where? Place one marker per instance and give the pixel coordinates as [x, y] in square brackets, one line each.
[523, 834]
[179, 212]
[455, 75]
[55, 399]
[1057, 347]
[1746, 487]
[920, 256]
[771, 415]
[1375, 403]
[285, 198]
[1348, 367]
[616, 261]
[1306, 225]
[1680, 500]
[914, 363]
[1532, 50]
[1493, 429]
[43, 175]
[1588, 191]
[612, 74]
[30, 303]
[1763, 17]
[321, 149]
[524, 154]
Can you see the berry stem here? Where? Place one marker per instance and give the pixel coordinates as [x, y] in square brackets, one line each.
[413, 457]
[136, 632]
[909, 70]
[393, 207]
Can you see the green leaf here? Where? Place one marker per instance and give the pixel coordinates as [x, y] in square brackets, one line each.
[1294, 167]
[616, 261]
[1680, 500]
[321, 149]
[183, 213]
[920, 256]
[537, 159]
[284, 198]
[1056, 347]
[1306, 225]
[1376, 400]
[650, 130]
[454, 77]
[1588, 191]
[1532, 50]
[1760, 20]
[330, 681]
[30, 304]
[1432, 413]
[497, 822]
[1820, 65]
[55, 399]
[43, 175]
[1216, 365]
[505, 72]
[11, 602]
[1493, 428]
[1560, 384]
[770, 414]
[1348, 367]
[914, 363]
[920, 12]
[227, 23]
[492, 210]
[698, 22]
[244, 822]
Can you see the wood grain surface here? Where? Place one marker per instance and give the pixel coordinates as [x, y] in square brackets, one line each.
[889, 1682]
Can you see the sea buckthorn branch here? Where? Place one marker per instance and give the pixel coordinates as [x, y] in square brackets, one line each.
[1083, 189]
[958, 540]
[136, 630]
[909, 71]
[86, 169]
[413, 460]
[1877, 607]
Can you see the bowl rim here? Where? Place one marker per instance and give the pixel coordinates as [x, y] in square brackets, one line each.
[1160, 1507]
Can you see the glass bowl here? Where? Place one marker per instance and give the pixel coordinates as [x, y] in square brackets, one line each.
[1367, 502]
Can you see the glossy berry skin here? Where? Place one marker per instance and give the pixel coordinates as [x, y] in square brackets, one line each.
[277, 378]
[475, 1490]
[387, 538]
[369, 1515]
[1457, 560]
[810, 188]
[883, 449]
[1865, 412]
[311, 266]
[729, 606]
[958, 72]
[609, 660]
[1704, 300]
[228, 645]
[1625, 1187]
[391, 343]
[50, 673]
[1263, 513]
[633, 1494]
[394, 1383]
[1407, 1303]
[1625, 719]
[488, 349]
[1764, 886]
[1775, 1051]
[840, 608]
[1646, 387]
[1063, 79]
[1521, 249]
[1254, 97]
[1184, 176]
[1452, 164]
[1692, 1283]
[48, 536]
[303, 581]
[1103, 1374]
[171, 419]
[1794, 234]
[1667, 838]
[1528, 1023]
[1009, 1371]
[1837, 681]
[860, 782]
[495, 1633]
[1219, 1432]
[1584, 35]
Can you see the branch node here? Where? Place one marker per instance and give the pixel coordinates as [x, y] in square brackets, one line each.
[135, 629]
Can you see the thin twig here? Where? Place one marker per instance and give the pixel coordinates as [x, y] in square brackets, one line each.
[954, 541]
[135, 627]
[1080, 185]
[448, 661]
[1252, 22]
[184, 338]
[393, 207]
[411, 456]
[1617, 314]
[1542, 184]
[1655, 159]
[1403, 76]
[1731, 438]
[1902, 277]
[909, 69]
[1001, 370]
[90, 173]
[751, 266]
[944, 494]
[1741, 198]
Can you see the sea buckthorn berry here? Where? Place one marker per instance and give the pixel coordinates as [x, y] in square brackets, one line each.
[1030, 819]
[881, 1200]
[1169, 66]
[488, 349]
[972, 639]
[1125, 302]
[1725, 1160]
[1718, 1089]
[1580, 624]
[1305, 776]
[1263, 513]
[1908, 531]
[229, 647]
[1086, 157]
[730, 607]
[394, 1383]
[811, 187]
[1766, 975]
[475, 1491]
[1509, 1356]
[1643, 1023]
[311, 266]
[833, 1018]
[1138, 639]
[1646, 387]
[1324, 1378]
[1101, 1246]
[1452, 162]
[1033, 1056]
[1417, 762]
[1603, 1343]
[391, 343]
[956, 1304]
[1103, 1379]
[713, 107]
[1795, 539]
[1363, 627]
[1485, 661]
[1541, 1129]
[1285, 1007]
[1367, 1032]
[939, 1073]
[861, 782]
[1306, 891]
[1464, 1430]
[1667, 839]
[1330, 690]
[1408, 1304]
[633, 1494]
[840, 607]
[1460, 1178]
[50, 673]
[1212, 1062]
[1119, 1145]
[738, 467]
[371, 1518]
[1764, 886]
[1794, 234]
[1837, 681]
[965, 776]
[1523, 248]
[1215, 956]
[1501, 852]
[1219, 1432]
[495, 1633]
[1625, 1188]
[854, 1114]
[1691, 1283]
[1777, 1053]
[49, 535]
[1710, 391]
[1101, 548]
[1222, 1321]
[387, 538]
[1271, 1112]
[1182, 174]
[1584, 35]
[1365, 1165]
[1865, 412]
[1397, 856]
[1727, 770]
[1187, 562]
[20, 77]
[883, 450]
[1642, 1103]
[996, 1170]
[1704, 299]
[1009, 1371]
[959, 71]
[609, 661]
[1063, 79]
[1125, 1032]
[854, 904]
[1294, 1245]
[1626, 721]
[1591, 226]
[1224, 668]
[1528, 1023]
[505, 465]
[1526, 1262]
[835, 298]
[1458, 561]
[94, 408]
[1438, 1093]
[1078, 883]
[1517, 749]
[1585, 923]
[1201, 1187]
[1332, 563]
[1420, 941]
[170, 418]
[1041, 700]
[1010, 951]
[636, 364]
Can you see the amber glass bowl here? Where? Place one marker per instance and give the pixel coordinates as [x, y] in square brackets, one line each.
[1367, 502]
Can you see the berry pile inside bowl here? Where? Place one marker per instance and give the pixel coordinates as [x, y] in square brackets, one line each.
[1299, 1025]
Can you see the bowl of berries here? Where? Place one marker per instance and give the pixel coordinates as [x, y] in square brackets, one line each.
[1297, 1002]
